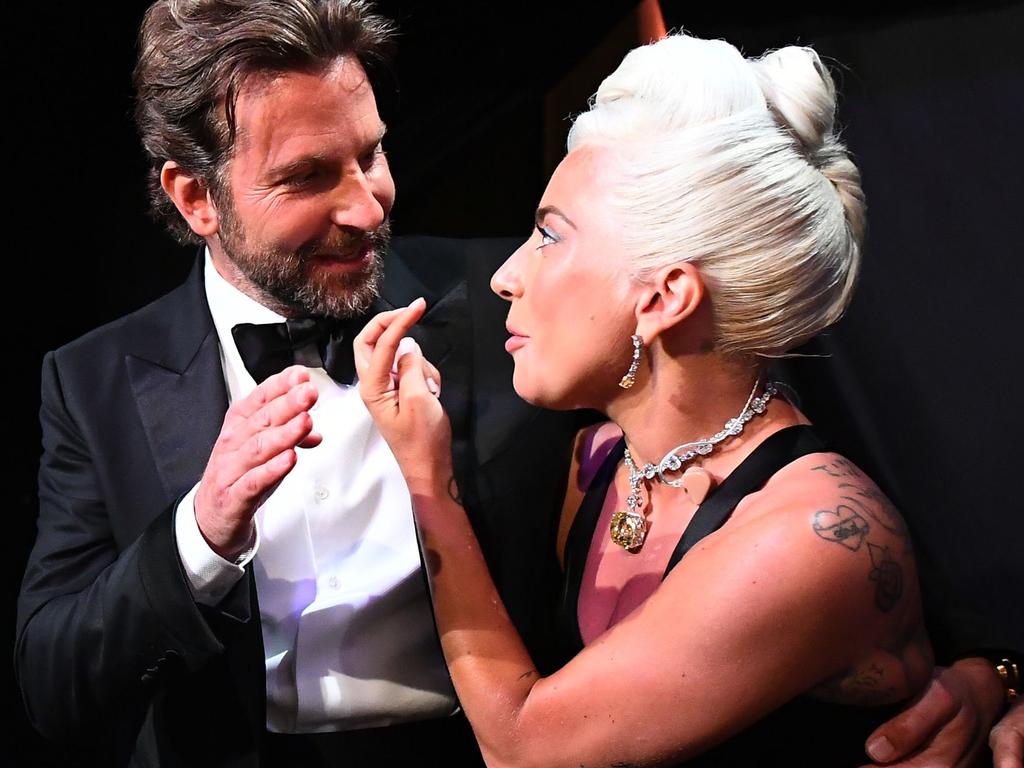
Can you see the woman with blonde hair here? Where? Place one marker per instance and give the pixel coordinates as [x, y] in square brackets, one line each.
[733, 590]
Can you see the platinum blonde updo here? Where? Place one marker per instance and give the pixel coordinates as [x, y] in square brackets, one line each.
[734, 165]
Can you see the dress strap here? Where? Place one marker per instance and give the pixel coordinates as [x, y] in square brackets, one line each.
[577, 545]
[778, 450]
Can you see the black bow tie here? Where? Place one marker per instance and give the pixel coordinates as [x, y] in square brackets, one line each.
[270, 348]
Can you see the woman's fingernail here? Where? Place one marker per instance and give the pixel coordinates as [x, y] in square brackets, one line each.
[406, 345]
[414, 302]
[880, 749]
[432, 386]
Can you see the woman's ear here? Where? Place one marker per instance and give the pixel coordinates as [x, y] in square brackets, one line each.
[191, 197]
[674, 295]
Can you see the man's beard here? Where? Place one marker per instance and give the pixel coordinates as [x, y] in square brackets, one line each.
[292, 280]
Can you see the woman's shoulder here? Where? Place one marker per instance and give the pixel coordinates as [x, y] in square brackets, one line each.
[818, 557]
[824, 511]
[834, 498]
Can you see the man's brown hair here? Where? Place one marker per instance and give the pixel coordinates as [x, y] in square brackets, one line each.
[195, 55]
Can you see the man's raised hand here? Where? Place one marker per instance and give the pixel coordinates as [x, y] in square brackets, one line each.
[254, 451]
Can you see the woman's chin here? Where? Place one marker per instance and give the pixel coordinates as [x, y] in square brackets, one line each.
[527, 389]
[524, 391]
[539, 396]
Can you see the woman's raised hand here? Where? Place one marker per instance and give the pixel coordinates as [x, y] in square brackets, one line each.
[401, 388]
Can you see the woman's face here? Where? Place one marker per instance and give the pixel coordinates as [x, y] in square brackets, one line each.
[572, 300]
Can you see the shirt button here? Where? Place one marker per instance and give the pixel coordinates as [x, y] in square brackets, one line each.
[333, 582]
[322, 493]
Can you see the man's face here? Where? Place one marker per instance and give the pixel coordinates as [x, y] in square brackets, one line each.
[303, 213]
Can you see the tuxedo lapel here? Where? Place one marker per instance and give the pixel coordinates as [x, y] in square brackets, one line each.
[181, 412]
[178, 383]
[443, 334]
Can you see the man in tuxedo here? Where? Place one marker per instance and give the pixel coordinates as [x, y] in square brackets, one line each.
[189, 465]
[226, 571]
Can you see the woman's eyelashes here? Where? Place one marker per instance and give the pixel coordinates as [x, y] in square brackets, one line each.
[547, 236]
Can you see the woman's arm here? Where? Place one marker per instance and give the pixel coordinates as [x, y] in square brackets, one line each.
[743, 624]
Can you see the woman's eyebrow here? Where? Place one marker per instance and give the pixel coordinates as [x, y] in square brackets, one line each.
[545, 210]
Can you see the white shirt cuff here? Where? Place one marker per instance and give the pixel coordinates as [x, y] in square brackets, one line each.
[210, 577]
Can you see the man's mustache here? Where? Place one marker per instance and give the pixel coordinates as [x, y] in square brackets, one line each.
[347, 242]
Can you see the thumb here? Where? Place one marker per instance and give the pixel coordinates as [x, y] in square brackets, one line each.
[913, 727]
[410, 371]
[405, 346]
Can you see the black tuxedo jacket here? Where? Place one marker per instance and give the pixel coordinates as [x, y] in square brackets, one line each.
[112, 652]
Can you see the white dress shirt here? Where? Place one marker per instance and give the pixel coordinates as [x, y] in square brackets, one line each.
[347, 626]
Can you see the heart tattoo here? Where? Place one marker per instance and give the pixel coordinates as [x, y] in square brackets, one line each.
[844, 525]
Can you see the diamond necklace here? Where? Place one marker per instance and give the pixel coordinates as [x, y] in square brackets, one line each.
[629, 526]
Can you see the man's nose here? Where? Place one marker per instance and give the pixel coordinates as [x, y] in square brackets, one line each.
[359, 203]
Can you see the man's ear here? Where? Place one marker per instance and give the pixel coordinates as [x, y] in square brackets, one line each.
[674, 295]
[191, 197]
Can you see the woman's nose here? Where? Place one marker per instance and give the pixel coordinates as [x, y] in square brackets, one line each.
[506, 282]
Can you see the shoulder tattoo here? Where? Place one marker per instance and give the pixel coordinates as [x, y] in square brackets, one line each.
[851, 524]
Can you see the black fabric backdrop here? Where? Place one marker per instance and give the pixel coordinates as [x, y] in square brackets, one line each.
[921, 379]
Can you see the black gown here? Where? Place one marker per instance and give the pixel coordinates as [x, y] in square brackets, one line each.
[803, 732]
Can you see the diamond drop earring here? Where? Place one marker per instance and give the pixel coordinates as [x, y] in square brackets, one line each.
[629, 379]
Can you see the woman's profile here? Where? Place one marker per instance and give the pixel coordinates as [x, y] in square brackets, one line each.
[735, 594]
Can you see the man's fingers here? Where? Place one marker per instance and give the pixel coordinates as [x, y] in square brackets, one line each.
[235, 484]
[1007, 739]
[312, 440]
[914, 726]
[282, 409]
[265, 444]
[296, 399]
[255, 449]
[254, 485]
[376, 345]
[270, 390]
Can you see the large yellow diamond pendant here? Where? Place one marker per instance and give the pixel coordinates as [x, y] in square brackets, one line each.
[629, 525]
[629, 528]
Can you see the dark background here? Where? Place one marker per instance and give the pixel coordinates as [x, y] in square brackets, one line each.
[922, 380]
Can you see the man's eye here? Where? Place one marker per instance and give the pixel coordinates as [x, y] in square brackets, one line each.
[368, 160]
[301, 178]
[547, 237]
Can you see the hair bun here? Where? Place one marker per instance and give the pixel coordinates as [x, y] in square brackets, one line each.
[802, 95]
[734, 166]
[799, 92]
